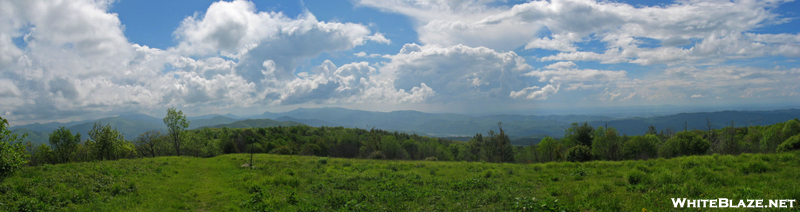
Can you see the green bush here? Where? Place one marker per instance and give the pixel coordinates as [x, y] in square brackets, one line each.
[579, 153]
[684, 143]
[791, 144]
[637, 177]
[640, 147]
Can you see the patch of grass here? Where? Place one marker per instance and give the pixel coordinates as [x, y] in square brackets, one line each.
[306, 183]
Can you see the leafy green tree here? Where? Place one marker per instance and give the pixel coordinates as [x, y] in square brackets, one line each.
[108, 141]
[791, 128]
[791, 144]
[12, 151]
[176, 123]
[770, 140]
[607, 144]
[579, 134]
[42, 154]
[64, 144]
[684, 143]
[549, 149]
[641, 147]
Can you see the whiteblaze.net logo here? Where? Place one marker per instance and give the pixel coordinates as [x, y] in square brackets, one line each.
[730, 203]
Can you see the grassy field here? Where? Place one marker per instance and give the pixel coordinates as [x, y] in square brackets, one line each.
[333, 184]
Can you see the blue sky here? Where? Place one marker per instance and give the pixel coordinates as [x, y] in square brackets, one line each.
[82, 59]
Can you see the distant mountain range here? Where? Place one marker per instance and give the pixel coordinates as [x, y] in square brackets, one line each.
[524, 129]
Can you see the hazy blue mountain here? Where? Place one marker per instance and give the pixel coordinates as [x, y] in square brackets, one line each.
[249, 123]
[47, 127]
[34, 137]
[216, 120]
[638, 125]
[143, 118]
[435, 124]
[211, 116]
[129, 128]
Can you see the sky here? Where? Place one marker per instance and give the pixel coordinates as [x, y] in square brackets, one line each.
[68, 60]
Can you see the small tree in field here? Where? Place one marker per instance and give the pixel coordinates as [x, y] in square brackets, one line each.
[64, 144]
[149, 142]
[176, 123]
[108, 141]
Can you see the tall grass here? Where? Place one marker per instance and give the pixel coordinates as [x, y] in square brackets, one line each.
[305, 183]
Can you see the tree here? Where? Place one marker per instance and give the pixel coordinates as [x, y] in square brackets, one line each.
[684, 143]
[579, 134]
[640, 147]
[176, 123]
[12, 151]
[504, 150]
[149, 142]
[108, 141]
[549, 149]
[64, 144]
[606, 144]
[791, 144]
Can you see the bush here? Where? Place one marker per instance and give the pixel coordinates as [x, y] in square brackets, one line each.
[431, 159]
[636, 177]
[684, 143]
[579, 153]
[791, 144]
[640, 147]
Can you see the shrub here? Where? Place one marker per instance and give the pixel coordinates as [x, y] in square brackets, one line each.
[791, 144]
[431, 159]
[640, 147]
[322, 161]
[636, 177]
[684, 143]
[579, 153]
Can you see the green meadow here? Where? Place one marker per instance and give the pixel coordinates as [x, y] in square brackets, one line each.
[309, 183]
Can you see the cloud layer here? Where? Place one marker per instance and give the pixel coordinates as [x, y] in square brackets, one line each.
[63, 60]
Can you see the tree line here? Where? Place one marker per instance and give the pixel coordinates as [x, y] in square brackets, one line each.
[581, 142]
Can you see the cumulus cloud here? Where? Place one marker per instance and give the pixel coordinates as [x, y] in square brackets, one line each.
[535, 92]
[76, 61]
[723, 30]
[457, 72]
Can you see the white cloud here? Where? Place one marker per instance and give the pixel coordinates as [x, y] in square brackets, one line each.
[535, 92]
[457, 72]
[722, 29]
[76, 61]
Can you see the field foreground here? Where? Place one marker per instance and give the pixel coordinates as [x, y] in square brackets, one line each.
[333, 184]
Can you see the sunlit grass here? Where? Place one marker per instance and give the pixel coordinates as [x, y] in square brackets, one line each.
[333, 184]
